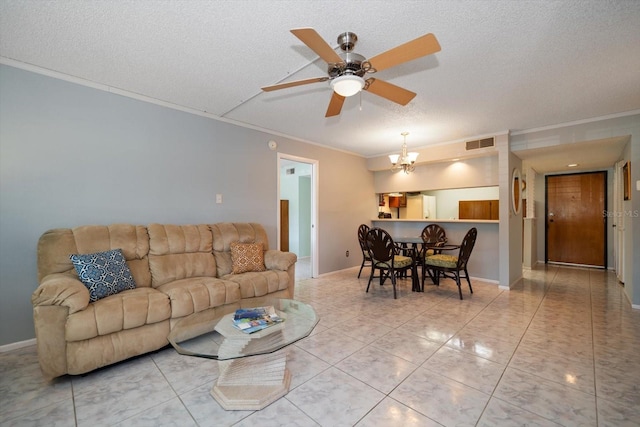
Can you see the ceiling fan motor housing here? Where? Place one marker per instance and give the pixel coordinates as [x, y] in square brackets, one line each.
[347, 41]
[352, 65]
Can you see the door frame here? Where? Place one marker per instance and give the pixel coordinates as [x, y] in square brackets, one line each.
[546, 217]
[314, 204]
[618, 218]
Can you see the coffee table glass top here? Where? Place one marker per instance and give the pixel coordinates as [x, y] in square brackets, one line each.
[217, 338]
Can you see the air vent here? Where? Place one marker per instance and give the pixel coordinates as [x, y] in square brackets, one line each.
[291, 171]
[480, 143]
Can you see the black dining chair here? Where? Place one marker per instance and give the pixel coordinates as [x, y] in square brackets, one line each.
[433, 236]
[385, 257]
[452, 266]
[363, 229]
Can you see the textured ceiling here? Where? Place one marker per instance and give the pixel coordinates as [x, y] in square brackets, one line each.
[504, 65]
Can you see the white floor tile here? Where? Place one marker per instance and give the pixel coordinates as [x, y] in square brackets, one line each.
[561, 348]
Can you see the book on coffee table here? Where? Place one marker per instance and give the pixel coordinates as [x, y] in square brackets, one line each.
[250, 320]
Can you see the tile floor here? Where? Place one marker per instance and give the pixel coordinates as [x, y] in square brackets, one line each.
[563, 348]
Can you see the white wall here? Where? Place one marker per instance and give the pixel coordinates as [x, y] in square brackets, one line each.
[72, 155]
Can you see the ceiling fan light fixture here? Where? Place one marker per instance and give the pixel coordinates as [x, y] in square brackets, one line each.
[347, 85]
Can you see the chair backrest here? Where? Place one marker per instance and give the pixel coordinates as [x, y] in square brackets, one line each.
[380, 245]
[362, 237]
[466, 247]
[433, 233]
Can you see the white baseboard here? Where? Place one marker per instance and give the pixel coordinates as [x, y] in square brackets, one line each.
[357, 267]
[17, 345]
[494, 282]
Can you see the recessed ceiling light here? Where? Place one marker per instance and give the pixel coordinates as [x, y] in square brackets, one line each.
[572, 165]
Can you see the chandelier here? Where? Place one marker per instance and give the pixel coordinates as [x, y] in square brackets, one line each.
[404, 160]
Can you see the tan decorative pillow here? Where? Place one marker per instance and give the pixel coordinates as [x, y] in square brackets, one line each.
[247, 257]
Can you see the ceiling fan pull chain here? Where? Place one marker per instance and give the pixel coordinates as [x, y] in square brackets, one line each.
[360, 100]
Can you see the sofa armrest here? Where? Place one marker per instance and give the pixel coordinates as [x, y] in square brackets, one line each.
[63, 290]
[278, 260]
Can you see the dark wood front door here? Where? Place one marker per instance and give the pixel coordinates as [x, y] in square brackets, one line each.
[576, 227]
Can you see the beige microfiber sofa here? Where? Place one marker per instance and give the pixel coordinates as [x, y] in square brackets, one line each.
[178, 270]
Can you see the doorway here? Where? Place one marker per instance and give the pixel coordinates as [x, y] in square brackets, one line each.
[297, 189]
[576, 227]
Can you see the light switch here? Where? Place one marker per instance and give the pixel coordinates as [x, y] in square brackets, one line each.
[218, 198]
[638, 185]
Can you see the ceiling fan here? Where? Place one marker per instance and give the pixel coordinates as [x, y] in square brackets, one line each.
[346, 70]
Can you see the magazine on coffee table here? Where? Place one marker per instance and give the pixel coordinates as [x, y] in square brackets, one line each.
[250, 320]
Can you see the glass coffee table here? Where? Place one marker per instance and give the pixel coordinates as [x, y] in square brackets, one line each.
[252, 373]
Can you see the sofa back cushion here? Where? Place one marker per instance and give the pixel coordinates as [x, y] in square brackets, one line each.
[55, 246]
[180, 252]
[225, 233]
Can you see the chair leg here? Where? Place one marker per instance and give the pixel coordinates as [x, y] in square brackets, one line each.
[432, 275]
[371, 277]
[361, 267]
[457, 274]
[393, 282]
[435, 276]
[468, 281]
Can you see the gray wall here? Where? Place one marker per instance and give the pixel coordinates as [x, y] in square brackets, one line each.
[72, 155]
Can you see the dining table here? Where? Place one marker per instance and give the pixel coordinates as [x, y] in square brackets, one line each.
[416, 248]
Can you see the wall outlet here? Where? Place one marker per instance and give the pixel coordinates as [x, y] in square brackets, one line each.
[218, 198]
[347, 254]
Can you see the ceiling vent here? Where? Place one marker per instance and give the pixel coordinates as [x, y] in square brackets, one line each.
[480, 143]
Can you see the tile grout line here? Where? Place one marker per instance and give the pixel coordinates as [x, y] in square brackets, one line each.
[546, 291]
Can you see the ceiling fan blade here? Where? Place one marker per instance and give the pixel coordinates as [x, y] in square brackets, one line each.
[389, 91]
[296, 83]
[335, 105]
[311, 38]
[422, 46]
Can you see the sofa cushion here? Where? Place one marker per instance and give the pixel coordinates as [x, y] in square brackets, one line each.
[257, 284]
[127, 310]
[180, 252]
[196, 294]
[55, 246]
[225, 233]
[103, 273]
[247, 257]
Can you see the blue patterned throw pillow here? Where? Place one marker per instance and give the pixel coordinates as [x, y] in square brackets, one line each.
[103, 273]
